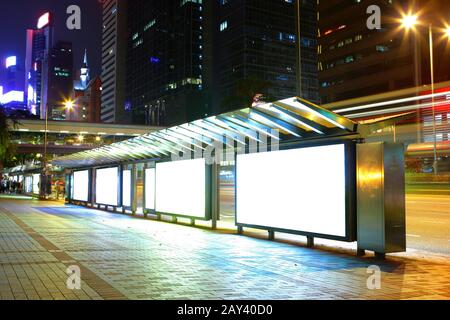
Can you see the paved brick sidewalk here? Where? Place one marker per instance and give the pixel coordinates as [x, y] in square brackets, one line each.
[128, 258]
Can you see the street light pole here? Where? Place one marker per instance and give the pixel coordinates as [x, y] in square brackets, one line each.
[433, 104]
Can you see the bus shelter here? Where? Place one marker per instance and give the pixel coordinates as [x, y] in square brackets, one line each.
[299, 169]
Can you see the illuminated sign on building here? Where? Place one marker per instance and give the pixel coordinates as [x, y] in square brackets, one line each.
[11, 62]
[12, 96]
[43, 21]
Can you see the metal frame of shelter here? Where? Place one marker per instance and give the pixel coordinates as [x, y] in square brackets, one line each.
[291, 123]
[292, 119]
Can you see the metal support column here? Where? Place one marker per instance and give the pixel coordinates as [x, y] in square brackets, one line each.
[215, 196]
[310, 242]
[134, 178]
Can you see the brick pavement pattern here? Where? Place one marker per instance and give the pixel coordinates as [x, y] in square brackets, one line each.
[123, 257]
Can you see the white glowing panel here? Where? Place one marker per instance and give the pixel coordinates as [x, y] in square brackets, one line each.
[106, 186]
[28, 184]
[150, 176]
[36, 182]
[126, 188]
[180, 188]
[11, 62]
[12, 96]
[301, 190]
[81, 186]
[44, 20]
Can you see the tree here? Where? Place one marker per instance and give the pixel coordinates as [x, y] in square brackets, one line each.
[6, 147]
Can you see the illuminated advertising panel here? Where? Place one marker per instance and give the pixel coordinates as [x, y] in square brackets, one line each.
[11, 62]
[12, 96]
[181, 188]
[300, 190]
[28, 184]
[150, 176]
[126, 191]
[106, 186]
[43, 21]
[80, 186]
[36, 183]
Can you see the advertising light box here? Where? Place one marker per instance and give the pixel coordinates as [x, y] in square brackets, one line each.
[181, 188]
[126, 188]
[28, 184]
[300, 190]
[107, 186]
[150, 176]
[80, 186]
[36, 183]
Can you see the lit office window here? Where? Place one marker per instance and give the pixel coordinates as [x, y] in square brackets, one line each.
[224, 26]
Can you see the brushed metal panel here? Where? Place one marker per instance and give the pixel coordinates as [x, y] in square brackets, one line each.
[394, 197]
[370, 197]
[381, 197]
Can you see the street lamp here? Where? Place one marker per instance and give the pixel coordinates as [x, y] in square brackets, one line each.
[69, 105]
[409, 22]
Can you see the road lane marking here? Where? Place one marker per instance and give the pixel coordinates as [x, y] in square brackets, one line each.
[414, 236]
[434, 222]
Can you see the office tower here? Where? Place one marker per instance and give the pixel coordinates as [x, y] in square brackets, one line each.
[256, 50]
[188, 59]
[355, 61]
[11, 86]
[165, 61]
[113, 61]
[59, 88]
[85, 76]
[88, 103]
[39, 42]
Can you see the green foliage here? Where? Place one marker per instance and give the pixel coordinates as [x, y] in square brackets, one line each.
[7, 150]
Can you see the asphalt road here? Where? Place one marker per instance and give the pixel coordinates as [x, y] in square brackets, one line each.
[427, 220]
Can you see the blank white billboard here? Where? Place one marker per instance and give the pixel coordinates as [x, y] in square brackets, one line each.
[150, 176]
[302, 190]
[28, 184]
[36, 183]
[181, 188]
[126, 188]
[80, 186]
[107, 186]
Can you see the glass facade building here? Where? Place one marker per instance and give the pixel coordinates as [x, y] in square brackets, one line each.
[165, 61]
[186, 59]
[355, 61]
[256, 50]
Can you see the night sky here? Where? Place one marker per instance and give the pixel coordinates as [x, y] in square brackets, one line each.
[19, 15]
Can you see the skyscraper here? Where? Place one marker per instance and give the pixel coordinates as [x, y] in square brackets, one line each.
[165, 61]
[257, 45]
[113, 61]
[60, 80]
[11, 85]
[190, 58]
[85, 75]
[355, 61]
[39, 42]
